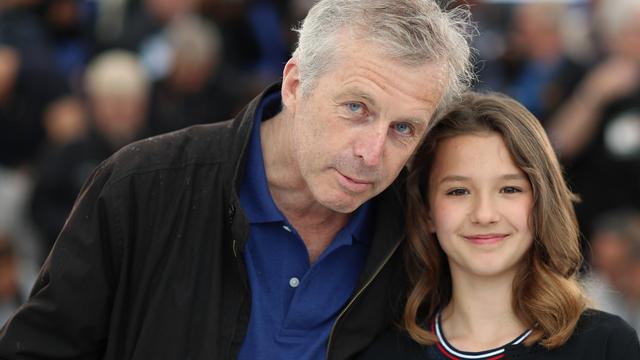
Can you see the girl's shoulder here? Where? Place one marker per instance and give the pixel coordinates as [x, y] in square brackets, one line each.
[598, 336]
[616, 336]
[601, 322]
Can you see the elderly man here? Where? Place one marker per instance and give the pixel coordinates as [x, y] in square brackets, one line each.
[271, 236]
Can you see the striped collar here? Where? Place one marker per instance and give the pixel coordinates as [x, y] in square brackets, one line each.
[452, 353]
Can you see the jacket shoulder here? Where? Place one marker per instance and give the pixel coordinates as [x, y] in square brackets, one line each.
[196, 145]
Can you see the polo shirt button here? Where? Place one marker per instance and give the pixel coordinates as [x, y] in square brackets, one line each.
[294, 282]
[286, 228]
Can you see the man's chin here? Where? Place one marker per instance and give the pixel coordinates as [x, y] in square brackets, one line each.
[344, 204]
[345, 209]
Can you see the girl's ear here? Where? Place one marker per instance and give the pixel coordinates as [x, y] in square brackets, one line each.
[430, 226]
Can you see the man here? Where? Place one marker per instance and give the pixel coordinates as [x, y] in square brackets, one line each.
[256, 238]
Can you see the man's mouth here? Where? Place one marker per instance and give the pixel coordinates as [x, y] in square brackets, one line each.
[353, 184]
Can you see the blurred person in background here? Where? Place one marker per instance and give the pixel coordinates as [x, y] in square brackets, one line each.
[613, 282]
[68, 25]
[29, 82]
[141, 22]
[10, 4]
[197, 88]
[22, 28]
[535, 67]
[23, 98]
[21, 134]
[253, 33]
[256, 33]
[596, 131]
[20, 252]
[65, 120]
[240, 43]
[117, 90]
[53, 37]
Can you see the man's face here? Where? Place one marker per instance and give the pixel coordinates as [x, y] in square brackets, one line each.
[355, 130]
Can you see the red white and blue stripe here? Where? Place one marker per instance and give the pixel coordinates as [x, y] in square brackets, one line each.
[454, 354]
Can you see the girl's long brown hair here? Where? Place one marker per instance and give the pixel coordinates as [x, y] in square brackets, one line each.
[546, 294]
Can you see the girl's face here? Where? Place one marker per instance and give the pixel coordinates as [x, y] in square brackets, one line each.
[480, 205]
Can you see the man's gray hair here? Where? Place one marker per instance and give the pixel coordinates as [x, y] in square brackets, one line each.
[413, 32]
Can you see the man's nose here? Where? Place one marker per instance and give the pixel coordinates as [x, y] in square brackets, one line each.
[370, 147]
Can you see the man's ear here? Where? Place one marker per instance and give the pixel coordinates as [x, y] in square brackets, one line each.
[290, 84]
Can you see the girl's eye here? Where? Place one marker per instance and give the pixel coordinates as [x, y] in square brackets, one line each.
[458, 192]
[355, 107]
[403, 129]
[510, 190]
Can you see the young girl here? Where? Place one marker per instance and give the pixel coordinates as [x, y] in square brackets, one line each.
[493, 248]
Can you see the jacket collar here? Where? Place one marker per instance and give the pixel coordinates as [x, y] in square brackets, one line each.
[241, 130]
[234, 169]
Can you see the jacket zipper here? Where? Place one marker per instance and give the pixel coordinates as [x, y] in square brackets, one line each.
[355, 297]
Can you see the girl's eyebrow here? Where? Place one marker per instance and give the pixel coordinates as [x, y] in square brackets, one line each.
[514, 177]
[454, 178]
[460, 178]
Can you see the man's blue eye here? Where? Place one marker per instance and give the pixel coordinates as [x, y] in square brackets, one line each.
[354, 107]
[403, 128]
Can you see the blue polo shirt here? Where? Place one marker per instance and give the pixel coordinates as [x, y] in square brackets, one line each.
[294, 303]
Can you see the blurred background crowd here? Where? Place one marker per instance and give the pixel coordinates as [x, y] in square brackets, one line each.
[81, 78]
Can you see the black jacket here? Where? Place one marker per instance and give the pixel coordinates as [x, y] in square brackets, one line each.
[598, 336]
[149, 264]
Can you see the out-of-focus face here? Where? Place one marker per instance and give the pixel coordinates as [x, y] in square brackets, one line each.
[165, 10]
[119, 117]
[627, 42]
[360, 123]
[9, 66]
[534, 29]
[191, 76]
[63, 14]
[609, 252]
[480, 205]
[65, 120]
